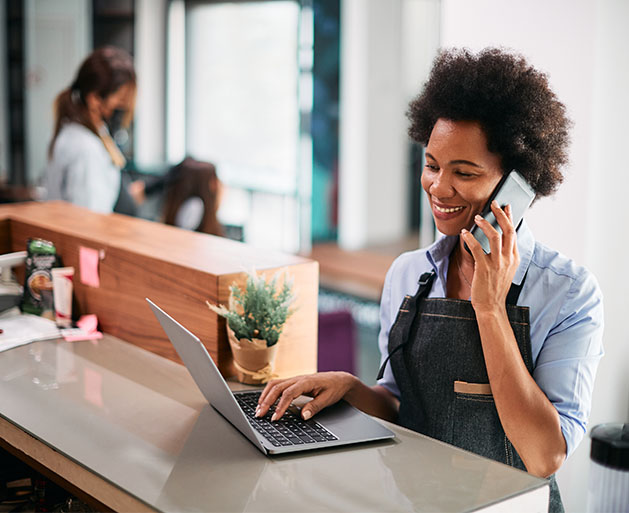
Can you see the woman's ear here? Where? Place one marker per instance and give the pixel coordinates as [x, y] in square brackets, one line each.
[92, 100]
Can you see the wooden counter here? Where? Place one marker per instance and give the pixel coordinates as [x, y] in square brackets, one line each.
[178, 269]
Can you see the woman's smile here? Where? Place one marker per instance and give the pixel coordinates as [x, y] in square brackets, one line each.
[446, 212]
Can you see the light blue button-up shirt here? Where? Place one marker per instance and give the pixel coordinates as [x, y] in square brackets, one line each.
[566, 315]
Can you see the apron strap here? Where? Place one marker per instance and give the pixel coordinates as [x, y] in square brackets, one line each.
[425, 284]
[514, 291]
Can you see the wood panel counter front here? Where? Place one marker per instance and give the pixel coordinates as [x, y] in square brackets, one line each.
[178, 269]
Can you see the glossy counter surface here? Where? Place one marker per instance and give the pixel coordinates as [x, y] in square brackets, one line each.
[137, 421]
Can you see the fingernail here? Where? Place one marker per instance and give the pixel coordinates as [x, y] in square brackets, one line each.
[463, 231]
[258, 414]
[494, 203]
[477, 217]
[307, 414]
[274, 417]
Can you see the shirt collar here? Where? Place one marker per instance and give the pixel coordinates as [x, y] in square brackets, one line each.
[439, 252]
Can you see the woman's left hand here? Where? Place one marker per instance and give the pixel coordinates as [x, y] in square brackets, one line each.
[494, 272]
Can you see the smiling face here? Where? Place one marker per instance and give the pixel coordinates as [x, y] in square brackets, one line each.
[459, 175]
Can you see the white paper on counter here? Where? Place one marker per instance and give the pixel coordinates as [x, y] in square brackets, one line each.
[19, 329]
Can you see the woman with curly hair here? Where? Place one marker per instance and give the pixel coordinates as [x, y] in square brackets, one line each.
[494, 353]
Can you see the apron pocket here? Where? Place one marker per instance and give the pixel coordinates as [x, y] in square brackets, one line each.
[463, 387]
[476, 426]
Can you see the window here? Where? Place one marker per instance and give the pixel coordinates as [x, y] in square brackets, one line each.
[239, 92]
[242, 94]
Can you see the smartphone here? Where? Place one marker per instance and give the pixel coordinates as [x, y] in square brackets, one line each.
[512, 190]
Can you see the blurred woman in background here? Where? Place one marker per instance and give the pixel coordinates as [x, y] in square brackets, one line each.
[193, 195]
[85, 163]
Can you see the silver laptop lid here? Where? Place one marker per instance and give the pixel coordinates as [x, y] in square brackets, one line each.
[205, 373]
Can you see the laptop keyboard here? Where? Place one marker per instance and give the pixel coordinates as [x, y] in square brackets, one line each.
[291, 429]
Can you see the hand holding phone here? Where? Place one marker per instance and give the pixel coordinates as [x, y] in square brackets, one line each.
[512, 190]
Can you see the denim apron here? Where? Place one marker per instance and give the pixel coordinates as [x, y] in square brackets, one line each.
[438, 364]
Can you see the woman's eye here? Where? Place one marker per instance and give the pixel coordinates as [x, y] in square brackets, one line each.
[432, 167]
[464, 174]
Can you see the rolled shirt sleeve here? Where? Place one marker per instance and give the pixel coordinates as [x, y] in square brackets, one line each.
[566, 365]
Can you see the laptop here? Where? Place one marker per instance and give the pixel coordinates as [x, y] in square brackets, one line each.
[339, 424]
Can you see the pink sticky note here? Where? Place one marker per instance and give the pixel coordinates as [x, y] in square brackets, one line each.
[88, 261]
[95, 335]
[88, 323]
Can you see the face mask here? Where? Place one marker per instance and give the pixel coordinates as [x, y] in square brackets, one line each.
[114, 122]
[116, 130]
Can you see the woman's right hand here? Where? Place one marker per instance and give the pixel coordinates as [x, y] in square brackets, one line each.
[326, 388]
[137, 191]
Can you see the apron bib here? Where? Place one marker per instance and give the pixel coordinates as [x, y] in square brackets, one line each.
[438, 364]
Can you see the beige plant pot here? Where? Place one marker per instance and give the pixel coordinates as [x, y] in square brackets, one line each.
[253, 360]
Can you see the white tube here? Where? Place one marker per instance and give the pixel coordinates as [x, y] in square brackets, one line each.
[62, 294]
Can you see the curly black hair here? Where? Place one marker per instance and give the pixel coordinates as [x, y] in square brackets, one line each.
[522, 118]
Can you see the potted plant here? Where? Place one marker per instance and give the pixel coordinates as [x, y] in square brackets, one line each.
[255, 320]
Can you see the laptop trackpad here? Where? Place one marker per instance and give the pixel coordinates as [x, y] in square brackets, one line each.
[348, 423]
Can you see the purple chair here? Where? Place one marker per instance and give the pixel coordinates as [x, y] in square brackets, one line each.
[337, 342]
